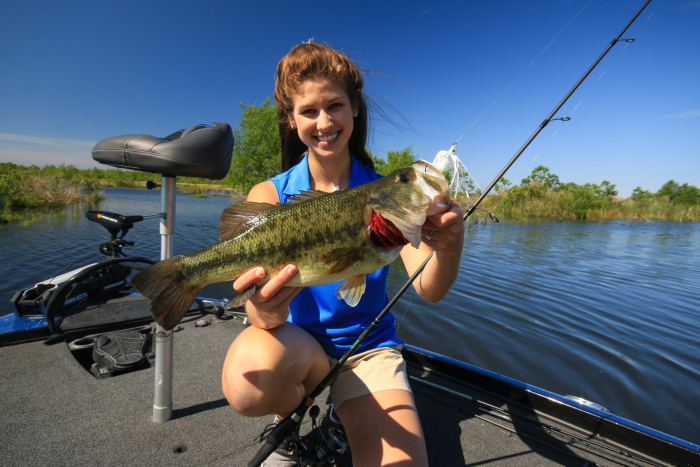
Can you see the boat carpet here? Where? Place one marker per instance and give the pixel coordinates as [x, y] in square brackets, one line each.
[54, 412]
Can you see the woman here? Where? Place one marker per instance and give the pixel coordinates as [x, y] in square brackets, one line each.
[296, 333]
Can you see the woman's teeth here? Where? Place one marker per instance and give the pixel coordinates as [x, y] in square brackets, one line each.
[325, 139]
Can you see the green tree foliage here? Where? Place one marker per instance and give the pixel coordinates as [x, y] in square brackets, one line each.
[543, 176]
[607, 189]
[256, 152]
[502, 185]
[679, 194]
[642, 196]
[395, 160]
[668, 189]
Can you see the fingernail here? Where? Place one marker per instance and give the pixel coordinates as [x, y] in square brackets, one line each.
[291, 270]
[260, 272]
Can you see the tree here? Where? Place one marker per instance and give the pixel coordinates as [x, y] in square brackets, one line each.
[679, 194]
[502, 185]
[668, 189]
[608, 189]
[256, 153]
[687, 194]
[642, 196]
[543, 176]
[395, 160]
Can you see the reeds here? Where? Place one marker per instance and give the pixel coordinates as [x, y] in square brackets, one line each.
[533, 202]
[23, 195]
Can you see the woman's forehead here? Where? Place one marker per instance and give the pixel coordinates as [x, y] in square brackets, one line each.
[316, 90]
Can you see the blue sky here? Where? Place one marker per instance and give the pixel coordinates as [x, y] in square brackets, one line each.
[73, 73]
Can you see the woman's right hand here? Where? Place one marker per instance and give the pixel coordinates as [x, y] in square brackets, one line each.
[268, 307]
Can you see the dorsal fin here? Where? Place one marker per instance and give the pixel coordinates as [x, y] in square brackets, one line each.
[305, 196]
[236, 215]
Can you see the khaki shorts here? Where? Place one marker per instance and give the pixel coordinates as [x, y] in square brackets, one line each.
[369, 372]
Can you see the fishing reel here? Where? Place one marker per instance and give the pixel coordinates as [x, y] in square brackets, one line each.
[328, 442]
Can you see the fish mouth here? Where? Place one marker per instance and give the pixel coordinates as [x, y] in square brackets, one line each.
[383, 233]
[433, 184]
[401, 207]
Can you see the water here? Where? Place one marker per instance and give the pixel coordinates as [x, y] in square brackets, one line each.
[606, 311]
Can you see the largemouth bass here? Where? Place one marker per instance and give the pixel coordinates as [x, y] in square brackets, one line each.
[330, 237]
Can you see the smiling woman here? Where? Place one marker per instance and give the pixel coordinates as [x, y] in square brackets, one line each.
[296, 332]
[323, 117]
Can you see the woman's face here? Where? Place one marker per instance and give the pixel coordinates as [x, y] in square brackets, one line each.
[323, 116]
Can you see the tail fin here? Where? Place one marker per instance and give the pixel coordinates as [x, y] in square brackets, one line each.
[163, 284]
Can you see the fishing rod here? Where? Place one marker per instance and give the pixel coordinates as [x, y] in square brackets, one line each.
[285, 426]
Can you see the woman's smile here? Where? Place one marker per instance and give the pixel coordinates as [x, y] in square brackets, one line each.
[323, 117]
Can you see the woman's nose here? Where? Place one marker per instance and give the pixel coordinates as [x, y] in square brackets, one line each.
[324, 121]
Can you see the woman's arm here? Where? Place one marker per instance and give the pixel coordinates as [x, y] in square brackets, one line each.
[446, 240]
[268, 307]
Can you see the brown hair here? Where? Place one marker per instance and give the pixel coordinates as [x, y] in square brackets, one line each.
[306, 61]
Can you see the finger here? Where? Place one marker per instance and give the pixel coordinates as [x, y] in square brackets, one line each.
[444, 219]
[247, 280]
[429, 235]
[283, 298]
[276, 284]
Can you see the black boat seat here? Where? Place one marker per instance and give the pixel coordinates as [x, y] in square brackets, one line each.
[199, 151]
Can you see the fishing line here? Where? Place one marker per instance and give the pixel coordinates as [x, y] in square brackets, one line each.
[611, 65]
[517, 78]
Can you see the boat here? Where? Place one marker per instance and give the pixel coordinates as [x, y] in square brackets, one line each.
[88, 379]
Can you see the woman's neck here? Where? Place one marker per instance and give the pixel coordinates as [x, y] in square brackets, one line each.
[329, 174]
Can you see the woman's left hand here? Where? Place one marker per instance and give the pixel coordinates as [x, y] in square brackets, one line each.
[444, 231]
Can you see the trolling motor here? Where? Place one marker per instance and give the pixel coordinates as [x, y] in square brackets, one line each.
[95, 281]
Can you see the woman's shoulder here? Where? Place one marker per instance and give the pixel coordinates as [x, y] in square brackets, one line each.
[264, 192]
[369, 173]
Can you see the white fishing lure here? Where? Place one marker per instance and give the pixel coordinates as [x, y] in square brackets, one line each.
[459, 170]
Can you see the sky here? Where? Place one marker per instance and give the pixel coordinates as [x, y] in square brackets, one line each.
[483, 73]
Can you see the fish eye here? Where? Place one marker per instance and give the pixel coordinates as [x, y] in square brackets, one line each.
[403, 178]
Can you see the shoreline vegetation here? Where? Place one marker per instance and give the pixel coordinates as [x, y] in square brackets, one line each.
[30, 192]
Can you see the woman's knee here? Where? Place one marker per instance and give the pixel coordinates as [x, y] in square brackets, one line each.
[243, 393]
[266, 372]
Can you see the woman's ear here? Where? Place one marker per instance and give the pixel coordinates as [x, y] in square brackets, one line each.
[355, 107]
[290, 120]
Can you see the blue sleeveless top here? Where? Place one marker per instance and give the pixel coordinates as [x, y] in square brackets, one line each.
[332, 322]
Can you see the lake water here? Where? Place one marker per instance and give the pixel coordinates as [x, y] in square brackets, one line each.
[606, 311]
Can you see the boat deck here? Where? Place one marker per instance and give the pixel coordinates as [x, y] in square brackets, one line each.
[54, 412]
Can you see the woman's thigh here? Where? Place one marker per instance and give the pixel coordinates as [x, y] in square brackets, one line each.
[270, 371]
[383, 428]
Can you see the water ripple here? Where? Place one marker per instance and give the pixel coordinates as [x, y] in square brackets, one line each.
[606, 311]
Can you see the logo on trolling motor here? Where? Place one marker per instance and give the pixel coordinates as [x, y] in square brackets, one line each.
[78, 298]
[102, 216]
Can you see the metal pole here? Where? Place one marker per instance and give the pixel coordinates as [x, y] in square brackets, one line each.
[163, 396]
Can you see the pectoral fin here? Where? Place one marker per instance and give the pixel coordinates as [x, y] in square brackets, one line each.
[351, 290]
[343, 258]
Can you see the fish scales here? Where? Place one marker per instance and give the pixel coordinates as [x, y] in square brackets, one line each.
[327, 236]
[295, 233]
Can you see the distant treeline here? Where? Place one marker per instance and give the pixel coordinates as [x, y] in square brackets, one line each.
[25, 190]
[542, 195]
[257, 157]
